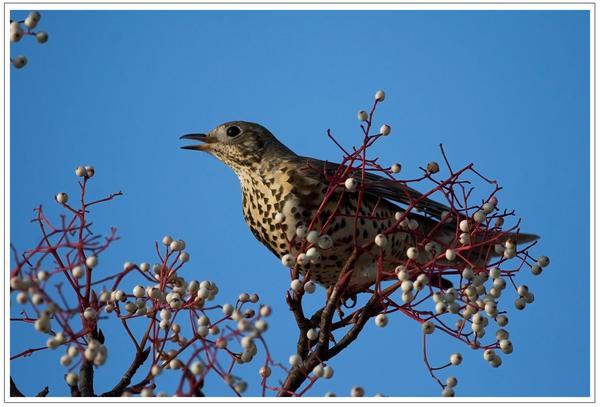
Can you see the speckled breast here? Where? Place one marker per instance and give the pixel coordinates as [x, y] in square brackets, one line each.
[264, 197]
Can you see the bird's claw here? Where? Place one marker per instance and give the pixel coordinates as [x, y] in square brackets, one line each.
[350, 296]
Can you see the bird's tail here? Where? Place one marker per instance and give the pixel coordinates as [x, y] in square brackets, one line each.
[483, 255]
[524, 237]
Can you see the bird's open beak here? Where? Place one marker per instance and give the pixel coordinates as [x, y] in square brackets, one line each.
[207, 140]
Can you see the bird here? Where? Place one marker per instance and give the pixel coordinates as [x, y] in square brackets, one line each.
[283, 194]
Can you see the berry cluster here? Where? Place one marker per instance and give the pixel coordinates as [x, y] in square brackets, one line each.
[20, 29]
[175, 324]
[454, 276]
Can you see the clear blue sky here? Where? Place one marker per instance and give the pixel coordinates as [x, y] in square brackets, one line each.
[506, 90]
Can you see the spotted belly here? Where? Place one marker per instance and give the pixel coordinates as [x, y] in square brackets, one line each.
[274, 223]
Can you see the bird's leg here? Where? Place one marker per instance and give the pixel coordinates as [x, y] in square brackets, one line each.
[338, 307]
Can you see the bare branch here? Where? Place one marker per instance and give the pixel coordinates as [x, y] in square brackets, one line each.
[140, 358]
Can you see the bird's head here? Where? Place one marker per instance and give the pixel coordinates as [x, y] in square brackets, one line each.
[238, 144]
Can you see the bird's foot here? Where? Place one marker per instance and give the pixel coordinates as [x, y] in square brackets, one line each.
[349, 297]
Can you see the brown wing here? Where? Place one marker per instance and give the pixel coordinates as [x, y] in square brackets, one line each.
[379, 186]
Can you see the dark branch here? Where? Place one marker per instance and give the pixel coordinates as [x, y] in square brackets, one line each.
[117, 391]
[323, 318]
[86, 378]
[365, 313]
[14, 391]
[74, 391]
[295, 304]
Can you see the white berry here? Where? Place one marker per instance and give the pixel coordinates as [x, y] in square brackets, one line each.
[456, 359]
[385, 130]
[80, 171]
[401, 273]
[412, 253]
[288, 260]
[502, 320]
[91, 261]
[313, 253]
[433, 167]
[296, 285]
[381, 240]
[351, 184]
[310, 287]
[381, 320]
[71, 379]
[302, 259]
[325, 242]
[496, 361]
[468, 273]
[301, 231]
[15, 27]
[184, 257]
[77, 272]
[427, 327]
[451, 381]
[479, 216]
[264, 371]
[489, 354]
[176, 245]
[265, 311]
[318, 370]
[130, 307]
[312, 237]
[294, 360]
[506, 346]
[464, 225]
[139, 291]
[227, 309]
[62, 198]
[520, 303]
[22, 298]
[89, 314]
[543, 261]
[41, 37]
[19, 62]
[33, 17]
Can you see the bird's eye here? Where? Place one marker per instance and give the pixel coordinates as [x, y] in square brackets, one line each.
[233, 131]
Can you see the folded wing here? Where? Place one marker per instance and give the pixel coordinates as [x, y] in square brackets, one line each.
[379, 186]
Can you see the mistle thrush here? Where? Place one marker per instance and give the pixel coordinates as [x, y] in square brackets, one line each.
[282, 191]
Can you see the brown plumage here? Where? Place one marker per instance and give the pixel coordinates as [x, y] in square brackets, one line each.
[276, 180]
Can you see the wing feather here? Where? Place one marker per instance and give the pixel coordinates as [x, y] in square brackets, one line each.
[379, 186]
